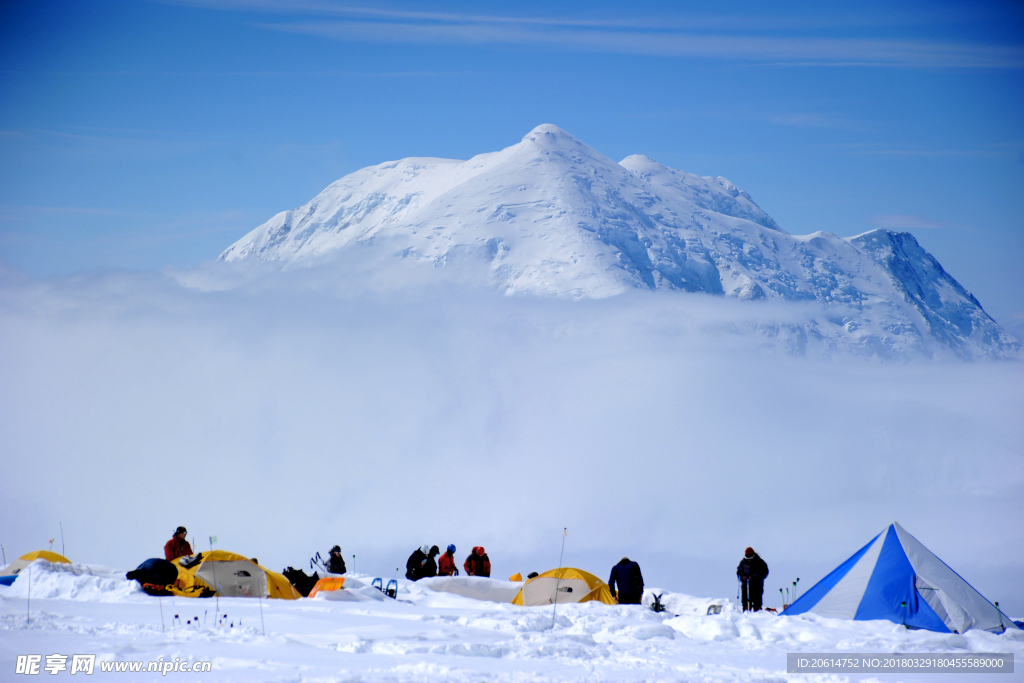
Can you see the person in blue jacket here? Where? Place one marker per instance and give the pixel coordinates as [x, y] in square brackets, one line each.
[627, 578]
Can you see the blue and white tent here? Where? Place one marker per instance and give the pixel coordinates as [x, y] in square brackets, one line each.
[894, 577]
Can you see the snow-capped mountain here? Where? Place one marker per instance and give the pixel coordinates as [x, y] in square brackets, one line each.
[551, 215]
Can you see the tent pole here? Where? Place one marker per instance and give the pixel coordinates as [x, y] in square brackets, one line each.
[558, 577]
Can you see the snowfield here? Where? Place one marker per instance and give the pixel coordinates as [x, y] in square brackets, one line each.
[433, 633]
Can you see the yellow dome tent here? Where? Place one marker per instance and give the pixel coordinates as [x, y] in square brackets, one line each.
[573, 585]
[230, 575]
[12, 570]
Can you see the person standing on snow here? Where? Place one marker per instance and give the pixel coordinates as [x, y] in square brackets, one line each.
[415, 563]
[429, 567]
[626, 574]
[177, 546]
[477, 564]
[446, 563]
[752, 572]
[336, 563]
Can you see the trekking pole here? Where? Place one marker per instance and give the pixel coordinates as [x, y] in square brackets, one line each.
[163, 629]
[558, 578]
[264, 626]
[216, 587]
[62, 540]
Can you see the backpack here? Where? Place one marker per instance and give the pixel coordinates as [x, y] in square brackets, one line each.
[300, 580]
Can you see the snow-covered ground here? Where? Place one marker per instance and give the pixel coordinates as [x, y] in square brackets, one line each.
[432, 633]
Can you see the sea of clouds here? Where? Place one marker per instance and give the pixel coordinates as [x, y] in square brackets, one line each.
[285, 410]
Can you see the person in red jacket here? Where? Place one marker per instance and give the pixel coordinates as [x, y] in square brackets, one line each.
[446, 563]
[177, 546]
[477, 564]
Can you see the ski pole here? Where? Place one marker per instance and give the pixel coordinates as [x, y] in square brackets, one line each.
[62, 552]
[783, 598]
[5, 555]
[261, 616]
[558, 579]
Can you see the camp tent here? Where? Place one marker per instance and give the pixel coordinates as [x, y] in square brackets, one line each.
[232, 575]
[327, 584]
[9, 573]
[895, 577]
[572, 585]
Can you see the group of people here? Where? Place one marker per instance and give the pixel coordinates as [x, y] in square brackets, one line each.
[421, 564]
[626, 581]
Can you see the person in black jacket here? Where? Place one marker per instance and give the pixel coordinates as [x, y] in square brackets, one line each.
[626, 575]
[336, 563]
[415, 563]
[752, 571]
[429, 566]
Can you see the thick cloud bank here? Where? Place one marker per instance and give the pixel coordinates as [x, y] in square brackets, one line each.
[284, 414]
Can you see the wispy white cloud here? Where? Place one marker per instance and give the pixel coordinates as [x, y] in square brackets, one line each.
[270, 73]
[722, 46]
[765, 39]
[814, 121]
[749, 21]
[905, 221]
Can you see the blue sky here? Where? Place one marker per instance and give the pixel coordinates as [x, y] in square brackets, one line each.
[144, 134]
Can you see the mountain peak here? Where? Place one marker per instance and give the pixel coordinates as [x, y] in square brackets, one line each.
[551, 215]
[548, 131]
[548, 137]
